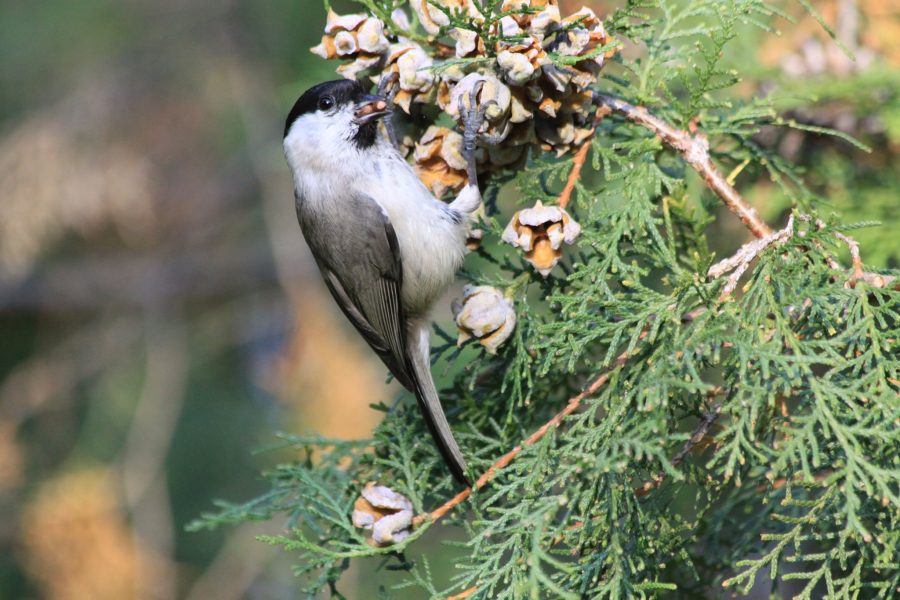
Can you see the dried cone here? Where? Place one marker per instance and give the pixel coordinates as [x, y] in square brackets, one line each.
[433, 19]
[540, 231]
[521, 62]
[468, 43]
[561, 95]
[409, 62]
[587, 34]
[485, 314]
[562, 134]
[482, 91]
[387, 513]
[439, 160]
[530, 101]
[353, 36]
[525, 20]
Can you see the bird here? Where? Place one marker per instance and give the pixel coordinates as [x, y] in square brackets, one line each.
[385, 246]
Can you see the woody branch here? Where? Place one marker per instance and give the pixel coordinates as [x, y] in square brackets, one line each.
[694, 147]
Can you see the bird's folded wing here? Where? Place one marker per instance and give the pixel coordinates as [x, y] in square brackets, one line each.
[362, 268]
[358, 254]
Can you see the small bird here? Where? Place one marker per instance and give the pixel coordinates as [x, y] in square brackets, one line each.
[386, 247]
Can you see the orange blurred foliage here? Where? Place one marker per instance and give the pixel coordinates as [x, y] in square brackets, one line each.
[328, 375]
[76, 542]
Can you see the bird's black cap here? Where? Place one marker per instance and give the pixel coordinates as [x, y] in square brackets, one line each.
[342, 90]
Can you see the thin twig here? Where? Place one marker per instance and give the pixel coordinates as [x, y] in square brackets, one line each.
[700, 433]
[464, 593]
[781, 482]
[579, 159]
[856, 259]
[698, 436]
[507, 458]
[695, 149]
[740, 261]
[571, 406]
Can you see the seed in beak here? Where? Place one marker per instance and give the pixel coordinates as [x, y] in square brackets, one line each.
[373, 108]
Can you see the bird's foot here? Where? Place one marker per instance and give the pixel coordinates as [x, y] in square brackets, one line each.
[387, 89]
[473, 115]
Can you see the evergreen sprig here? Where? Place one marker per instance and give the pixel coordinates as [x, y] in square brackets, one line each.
[649, 427]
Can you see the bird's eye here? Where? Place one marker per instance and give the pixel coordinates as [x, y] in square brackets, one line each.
[326, 103]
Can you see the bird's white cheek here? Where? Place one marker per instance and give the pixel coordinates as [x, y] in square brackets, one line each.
[320, 155]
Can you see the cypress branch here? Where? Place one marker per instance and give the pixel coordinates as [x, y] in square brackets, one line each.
[740, 415]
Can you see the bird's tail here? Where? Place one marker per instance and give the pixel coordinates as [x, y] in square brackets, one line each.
[429, 403]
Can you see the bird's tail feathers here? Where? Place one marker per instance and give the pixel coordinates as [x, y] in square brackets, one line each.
[429, 402]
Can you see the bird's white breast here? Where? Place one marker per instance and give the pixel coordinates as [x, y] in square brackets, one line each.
[432, 243]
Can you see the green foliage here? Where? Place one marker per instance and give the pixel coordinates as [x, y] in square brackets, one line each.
[798, 479]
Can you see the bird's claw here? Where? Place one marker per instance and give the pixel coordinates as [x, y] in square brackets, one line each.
[473, 115]
[388, 89]
[492, 139]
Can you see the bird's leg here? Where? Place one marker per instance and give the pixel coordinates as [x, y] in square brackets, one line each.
[388, 88]
[469, 199]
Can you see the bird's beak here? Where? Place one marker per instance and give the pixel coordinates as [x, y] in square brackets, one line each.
[371, 108]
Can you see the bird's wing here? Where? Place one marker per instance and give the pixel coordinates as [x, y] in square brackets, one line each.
[362, 268]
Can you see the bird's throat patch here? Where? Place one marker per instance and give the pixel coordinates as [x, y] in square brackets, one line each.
[365, 135]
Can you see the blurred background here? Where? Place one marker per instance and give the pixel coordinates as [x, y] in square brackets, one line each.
[160, 317]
